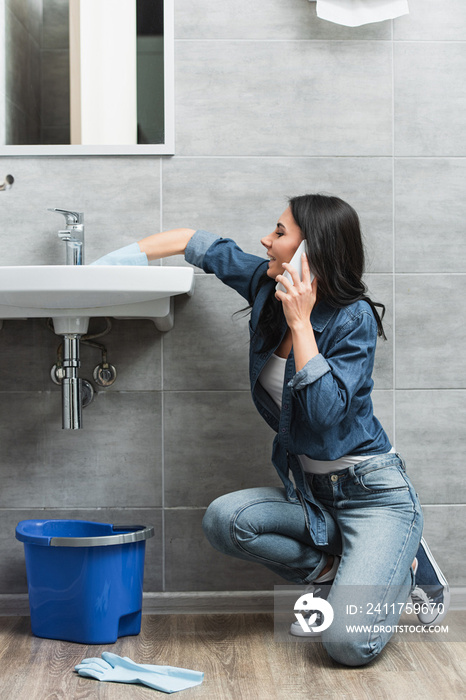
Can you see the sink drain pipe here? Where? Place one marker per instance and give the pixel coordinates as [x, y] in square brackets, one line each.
[71, 384]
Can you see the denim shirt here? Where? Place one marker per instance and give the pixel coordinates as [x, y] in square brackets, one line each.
[326, 408]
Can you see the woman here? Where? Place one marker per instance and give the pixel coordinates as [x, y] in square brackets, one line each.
[348, 515]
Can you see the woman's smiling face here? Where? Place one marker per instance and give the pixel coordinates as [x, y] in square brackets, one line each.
[282, 243]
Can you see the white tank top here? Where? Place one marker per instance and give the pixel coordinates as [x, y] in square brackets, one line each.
[272, 378]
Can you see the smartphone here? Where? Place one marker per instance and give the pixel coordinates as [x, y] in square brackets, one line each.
[297, 264]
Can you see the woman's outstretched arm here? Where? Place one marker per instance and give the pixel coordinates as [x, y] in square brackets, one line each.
[159, 245]
[166, 243]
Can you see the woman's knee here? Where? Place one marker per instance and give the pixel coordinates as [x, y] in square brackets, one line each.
[349, 650]
[219, 518]
[216, 524]
[225, 520]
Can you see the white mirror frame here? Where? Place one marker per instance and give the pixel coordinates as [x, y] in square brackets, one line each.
[166, 148]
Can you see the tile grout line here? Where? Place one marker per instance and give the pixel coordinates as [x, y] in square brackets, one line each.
[162, 398]
[74, 509]
[314, 156]
[237, 391]
[393, 244]
[275, 40]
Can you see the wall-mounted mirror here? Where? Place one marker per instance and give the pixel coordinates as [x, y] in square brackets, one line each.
[86, 77]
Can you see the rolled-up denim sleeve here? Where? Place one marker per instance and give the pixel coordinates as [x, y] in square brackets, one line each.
[311, 372]
[225, 259]
[326, 386]
[197, 247]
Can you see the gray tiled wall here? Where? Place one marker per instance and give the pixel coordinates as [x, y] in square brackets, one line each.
[270, 102]
[21, 46]
[55, 69]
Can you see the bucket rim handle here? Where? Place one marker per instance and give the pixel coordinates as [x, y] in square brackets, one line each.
[144, 533]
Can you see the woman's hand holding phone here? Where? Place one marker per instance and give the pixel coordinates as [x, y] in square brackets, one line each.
[296, 288]
[296, 262]
[298, 301]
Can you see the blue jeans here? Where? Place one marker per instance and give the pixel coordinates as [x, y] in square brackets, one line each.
[374, 522]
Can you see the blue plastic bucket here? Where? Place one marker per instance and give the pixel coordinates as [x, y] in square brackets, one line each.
[84, 579]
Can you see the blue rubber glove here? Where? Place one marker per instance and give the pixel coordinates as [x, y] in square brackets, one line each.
[129, 255]
[118, 669]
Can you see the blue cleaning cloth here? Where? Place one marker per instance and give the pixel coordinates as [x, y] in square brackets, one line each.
[118, 669]
[129, 255]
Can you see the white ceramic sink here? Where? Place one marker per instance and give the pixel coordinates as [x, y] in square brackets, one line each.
[70, 295]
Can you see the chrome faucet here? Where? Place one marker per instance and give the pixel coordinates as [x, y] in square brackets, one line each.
[73, 236]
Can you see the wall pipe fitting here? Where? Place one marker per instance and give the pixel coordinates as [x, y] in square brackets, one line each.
[7, 183]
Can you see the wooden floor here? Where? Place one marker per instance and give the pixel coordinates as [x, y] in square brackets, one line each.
[240, 659]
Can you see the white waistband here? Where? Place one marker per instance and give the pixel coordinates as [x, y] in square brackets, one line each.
[316, 466]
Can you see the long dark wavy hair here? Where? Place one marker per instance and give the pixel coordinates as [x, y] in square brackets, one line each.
[336, 256]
